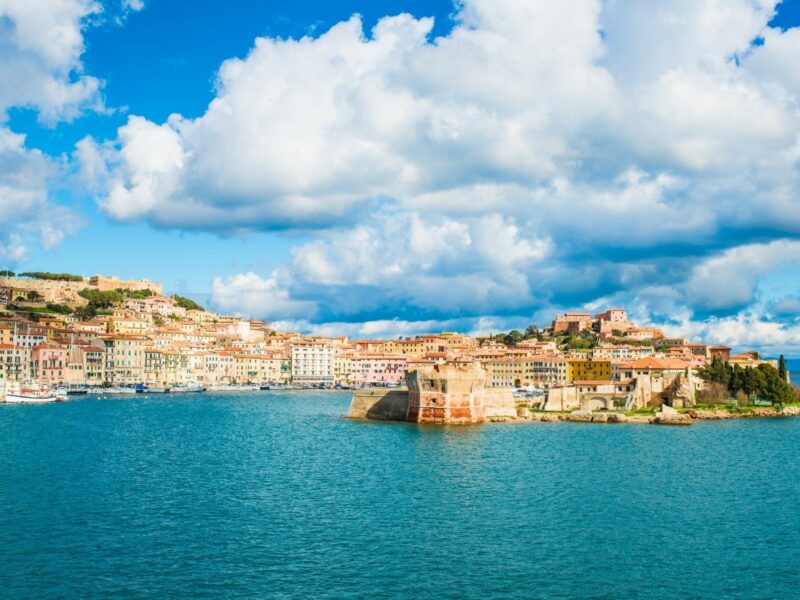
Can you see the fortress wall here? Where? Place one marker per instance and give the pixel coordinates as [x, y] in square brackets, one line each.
[379, 404]
[499, 402]
[58, 292]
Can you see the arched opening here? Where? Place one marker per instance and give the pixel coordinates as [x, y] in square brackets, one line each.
[596, 403]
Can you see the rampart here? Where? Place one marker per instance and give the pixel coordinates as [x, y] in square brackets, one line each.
[441, 395]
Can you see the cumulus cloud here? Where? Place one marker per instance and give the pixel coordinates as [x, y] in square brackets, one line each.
[541, 154]
[253, 295]
[748, 329]
[25, 208]
[40, 48]
[729, 280]
[41, 44]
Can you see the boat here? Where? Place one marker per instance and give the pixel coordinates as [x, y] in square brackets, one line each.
[187, 389]
[102, 391]
[147, 389]
[73, 390]
[274, 386]
[30, 393]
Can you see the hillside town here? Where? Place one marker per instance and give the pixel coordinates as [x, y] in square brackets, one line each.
[67, 331]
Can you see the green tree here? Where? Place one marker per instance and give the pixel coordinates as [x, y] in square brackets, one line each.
[34, 296]
[61, 309]
[513, 338]
[189, 304]
[7, 274]
[782, 366]
[51, 276]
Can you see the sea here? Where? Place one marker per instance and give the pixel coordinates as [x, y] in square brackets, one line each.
[275, 495]
[793, 364]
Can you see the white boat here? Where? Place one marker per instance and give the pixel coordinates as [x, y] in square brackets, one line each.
[152, 390]
[102, 391]
[30, 393]
[187, 389]
[233, 388]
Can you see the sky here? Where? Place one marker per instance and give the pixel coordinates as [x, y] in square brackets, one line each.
[396, 167]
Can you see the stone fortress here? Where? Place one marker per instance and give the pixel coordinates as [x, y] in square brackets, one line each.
[66, 292]
[437, 395]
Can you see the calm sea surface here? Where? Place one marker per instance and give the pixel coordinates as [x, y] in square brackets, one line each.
[271, 495]
[794, 370]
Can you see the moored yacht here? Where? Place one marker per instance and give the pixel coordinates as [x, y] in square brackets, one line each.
[31, 393]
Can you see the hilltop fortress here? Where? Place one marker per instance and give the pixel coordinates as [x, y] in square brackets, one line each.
[66, 292]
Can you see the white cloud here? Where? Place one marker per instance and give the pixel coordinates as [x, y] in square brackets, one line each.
[26, 211]
[41, 43]
[730, 279]
[742, 331]
[540, 154]
[254, 296]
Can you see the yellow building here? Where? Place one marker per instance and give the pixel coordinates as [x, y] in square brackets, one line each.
[525, 371]
[588, 370]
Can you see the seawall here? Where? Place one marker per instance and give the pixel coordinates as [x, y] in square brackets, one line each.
[379, 404]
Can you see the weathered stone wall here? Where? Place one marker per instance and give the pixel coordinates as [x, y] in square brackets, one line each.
[499, 402]
[446, 394]
[379, 404]
[58, 292]
[442, 395]
[562, 398]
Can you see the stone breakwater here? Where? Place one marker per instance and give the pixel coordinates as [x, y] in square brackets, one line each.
[666, 416]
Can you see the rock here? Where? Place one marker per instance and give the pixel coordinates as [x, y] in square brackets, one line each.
[617, 418]
[671, 417]
[599, 418]
[550, 417]
[580, 416]
[638, 419]
[791, 411]
[666, 409]
[523, 412]
[708, 415]
[535, 417]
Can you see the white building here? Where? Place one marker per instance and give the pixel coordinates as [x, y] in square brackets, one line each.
[313, 363]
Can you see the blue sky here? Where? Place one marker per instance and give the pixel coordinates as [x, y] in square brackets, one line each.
[391, 175]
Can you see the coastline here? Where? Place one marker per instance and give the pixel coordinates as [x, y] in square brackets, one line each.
[684, 417]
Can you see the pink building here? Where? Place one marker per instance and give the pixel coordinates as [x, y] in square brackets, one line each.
[644, 333]
[613, 315]
[379, 369]
[49, 363]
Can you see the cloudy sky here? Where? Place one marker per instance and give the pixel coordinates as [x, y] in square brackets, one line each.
[399, 166]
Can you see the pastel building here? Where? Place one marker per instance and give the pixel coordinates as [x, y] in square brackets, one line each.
[589, 370]
[49, 364]
[313, 364]
[379, 369]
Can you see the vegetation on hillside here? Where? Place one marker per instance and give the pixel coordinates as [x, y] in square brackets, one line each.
[51, 276]
[747, 384]
[100, 302]
[186, 303]
[7, 274]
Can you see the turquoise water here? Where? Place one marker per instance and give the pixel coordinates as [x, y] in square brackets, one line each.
[271, 495]
[793, 364]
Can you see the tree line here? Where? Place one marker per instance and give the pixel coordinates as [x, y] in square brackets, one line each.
[763, 382]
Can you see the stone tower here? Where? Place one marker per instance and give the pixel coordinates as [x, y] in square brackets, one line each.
[446, 394]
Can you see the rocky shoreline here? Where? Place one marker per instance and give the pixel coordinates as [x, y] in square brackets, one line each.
[665, 416]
